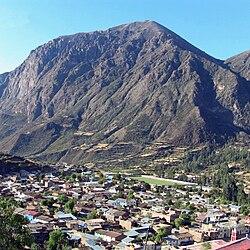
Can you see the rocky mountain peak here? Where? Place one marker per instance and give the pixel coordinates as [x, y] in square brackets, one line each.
[134, 83]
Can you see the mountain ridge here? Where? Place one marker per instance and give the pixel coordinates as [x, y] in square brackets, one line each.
[137, 82]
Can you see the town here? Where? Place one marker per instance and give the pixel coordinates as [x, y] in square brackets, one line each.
[101, 210]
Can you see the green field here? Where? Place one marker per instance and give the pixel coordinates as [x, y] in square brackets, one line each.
[155, 182]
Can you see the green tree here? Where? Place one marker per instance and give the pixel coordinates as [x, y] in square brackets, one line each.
[186, 219]
[91, 215]
[100, 174]
[62, 172]
[117, 176]
[131, 194]
[41, 176]
[178, 204]
[62, 198]
[178, 222]
[35, 246]
[169, 202]
[245, 210]
[69, 205]
[14, 235]
[43, 202]
[206, 246]
[57, 240]
[146, 186]
[162, 232]
[73, 175]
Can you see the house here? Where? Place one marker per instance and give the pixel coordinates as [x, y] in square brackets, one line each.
[167, 227]
[198, 234]
[234, 209]
[127, 224]
[124, 202]
[94, 224]
[84, 210]
[224, 229]
[30, 215]
[114, 214]
[179, 239]
[62, 216]
[150, 246]
[40, 231]
[89, 240]
[109, 236]
[44, 219]
[169, 215]
[215, 216]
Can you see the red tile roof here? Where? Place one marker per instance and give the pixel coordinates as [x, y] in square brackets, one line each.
[241, 244]
[32, 213]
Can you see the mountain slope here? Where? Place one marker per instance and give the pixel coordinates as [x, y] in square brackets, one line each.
[135, 83]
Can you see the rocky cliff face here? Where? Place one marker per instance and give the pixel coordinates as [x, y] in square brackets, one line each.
[134, 83]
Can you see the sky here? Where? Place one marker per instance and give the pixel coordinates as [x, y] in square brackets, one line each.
[218, 27]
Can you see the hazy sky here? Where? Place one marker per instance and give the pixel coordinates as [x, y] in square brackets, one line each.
[219, 27]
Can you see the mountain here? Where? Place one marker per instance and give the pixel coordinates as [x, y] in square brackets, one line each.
[240, 64]
[116, 90]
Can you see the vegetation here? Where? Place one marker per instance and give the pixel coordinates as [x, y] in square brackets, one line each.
[14, 236]
[57, 240]
[206, 246]
[69, 205]
[230, 190]
[162, 232]
[91, 215]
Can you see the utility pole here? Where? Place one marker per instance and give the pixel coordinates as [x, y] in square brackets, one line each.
[146, 241]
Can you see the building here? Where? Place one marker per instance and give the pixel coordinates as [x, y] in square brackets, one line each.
[179, 239]
[109, 236]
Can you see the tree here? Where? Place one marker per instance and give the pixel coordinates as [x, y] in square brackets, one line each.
[122, 186]
[43, 202]
[169, 201]
[242, 198]
[118, 195]
[62, 172]
[73, 175]
[56, 240]
[117, 176]
[245, 210]
[131, 194]
[185, 219]
[146, 185]
[206, 246]
[100, 174]
[102, 178]
[35, 246]
[91, 215]
[178, 222]
[69, 205]
[62, 198]
[183, 177]
[177, 204]
[41, 176]
[162, 232]
[14, 235]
